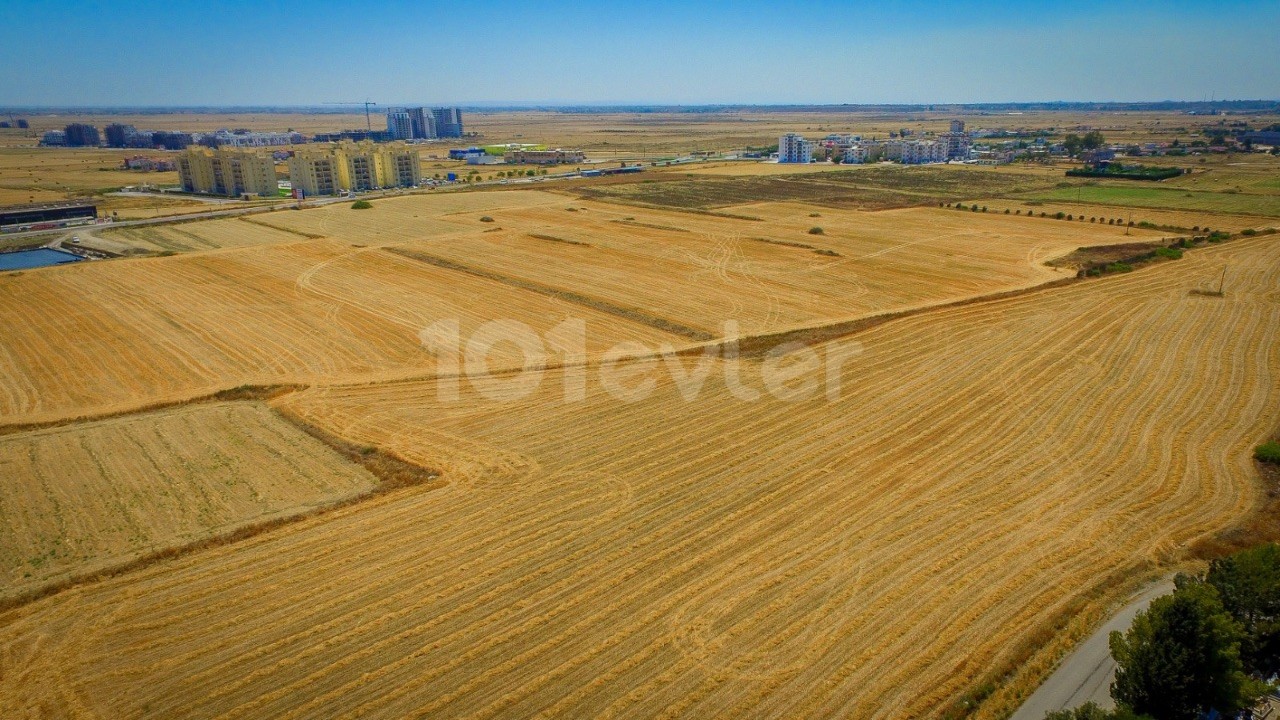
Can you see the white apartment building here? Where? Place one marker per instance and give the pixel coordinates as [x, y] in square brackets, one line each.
[400, 125]
[793, 148]
[921, 152]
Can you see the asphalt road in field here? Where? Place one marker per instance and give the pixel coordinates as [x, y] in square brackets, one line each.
[1086, 674]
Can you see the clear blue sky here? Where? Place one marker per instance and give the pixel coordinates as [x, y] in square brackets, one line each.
[259, 52]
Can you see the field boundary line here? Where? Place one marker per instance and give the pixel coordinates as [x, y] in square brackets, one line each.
[568, 296]
[232, 394]
[393, 473]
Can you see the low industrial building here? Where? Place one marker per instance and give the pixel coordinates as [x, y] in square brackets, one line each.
[233, 172]
[545, 157]
[149, 164]
[353, 166]
[48, 215]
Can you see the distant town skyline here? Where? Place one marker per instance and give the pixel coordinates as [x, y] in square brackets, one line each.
[678, 53]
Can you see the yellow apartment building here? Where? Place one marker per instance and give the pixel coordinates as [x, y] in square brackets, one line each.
[359, 166]
[227, 171]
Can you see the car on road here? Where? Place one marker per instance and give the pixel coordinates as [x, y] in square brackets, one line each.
[75, 239]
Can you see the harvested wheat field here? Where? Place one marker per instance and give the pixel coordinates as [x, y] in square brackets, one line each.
[690, 553]
[336, 295]
[105, 337]
[698, 271]
[86, 496]
[197, 236]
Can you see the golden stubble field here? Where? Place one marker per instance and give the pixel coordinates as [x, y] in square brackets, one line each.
[86, 496]
[693, 553]
[335, 295]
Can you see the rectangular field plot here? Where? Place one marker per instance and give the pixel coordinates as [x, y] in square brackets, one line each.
[700, 271]
[116, 335]
[694, 553]
[868, 187]
[193, 236]
[86, 496]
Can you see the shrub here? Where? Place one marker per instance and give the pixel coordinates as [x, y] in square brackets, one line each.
[1006, 211]
[486, 218]
[1059, 215]
[815, 230]
[1169, 253]
[1248, 232]
[361, 205]
[1071, 217]
[815, 214]
[1119, 267]
[1268, 452]
[973, 207]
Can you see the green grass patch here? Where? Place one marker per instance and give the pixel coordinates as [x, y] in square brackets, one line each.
[1165, 199]
[868, 188]
[1268, 452]
[361, 205]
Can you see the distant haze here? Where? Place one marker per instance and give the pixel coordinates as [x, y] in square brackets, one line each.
[254, 53]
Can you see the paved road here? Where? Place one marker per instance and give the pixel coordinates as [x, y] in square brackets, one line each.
[1086, 673]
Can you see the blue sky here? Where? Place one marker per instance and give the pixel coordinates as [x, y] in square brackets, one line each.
[267, 53]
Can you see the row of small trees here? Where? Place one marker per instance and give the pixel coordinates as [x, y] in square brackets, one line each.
[1202, 648]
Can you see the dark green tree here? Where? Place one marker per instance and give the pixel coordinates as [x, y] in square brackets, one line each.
[1073, 143]
[1249, 585]
[1181, 658]
[1092, 140]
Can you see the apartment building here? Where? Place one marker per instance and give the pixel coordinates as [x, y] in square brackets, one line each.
[357, 166]
[227, 171]
[246, 138]
[793, 148]
[448, 121]
[921, 152]
[422, 123]
[400, 125]
[81, 135]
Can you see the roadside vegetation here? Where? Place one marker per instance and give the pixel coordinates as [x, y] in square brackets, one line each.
[1205, 648]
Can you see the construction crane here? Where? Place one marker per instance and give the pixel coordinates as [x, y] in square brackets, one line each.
[368, 124]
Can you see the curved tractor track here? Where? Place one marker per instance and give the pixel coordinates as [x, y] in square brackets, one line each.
[873, 556]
